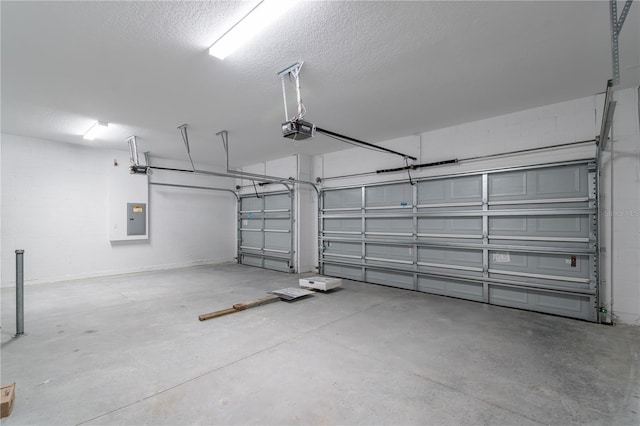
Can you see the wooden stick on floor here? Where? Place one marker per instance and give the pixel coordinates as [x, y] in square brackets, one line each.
[239, 307]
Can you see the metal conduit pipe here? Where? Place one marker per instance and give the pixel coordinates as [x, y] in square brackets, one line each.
[19, 293]
[136, 168]
[208, 188]
[224, 134]
[223, 174]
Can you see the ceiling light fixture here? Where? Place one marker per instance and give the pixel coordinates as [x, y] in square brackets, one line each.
[96, 129]
[251, 24]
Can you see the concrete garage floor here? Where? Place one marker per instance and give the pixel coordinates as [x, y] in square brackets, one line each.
[130, 350]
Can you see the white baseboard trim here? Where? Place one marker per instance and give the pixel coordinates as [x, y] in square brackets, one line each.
[111, 273]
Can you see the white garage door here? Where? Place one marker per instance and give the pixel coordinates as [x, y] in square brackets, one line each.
[523, 238]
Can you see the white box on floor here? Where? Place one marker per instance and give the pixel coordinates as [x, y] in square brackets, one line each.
[320, 283]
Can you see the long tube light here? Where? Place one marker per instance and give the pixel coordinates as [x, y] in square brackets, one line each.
[251, 24]
[96, 128]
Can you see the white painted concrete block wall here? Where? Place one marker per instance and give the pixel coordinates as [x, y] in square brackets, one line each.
[623, 213]
[125, 188]
[306, 217]
[55, 207]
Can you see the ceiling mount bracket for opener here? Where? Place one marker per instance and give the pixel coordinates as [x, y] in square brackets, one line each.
[185, 138]
[135, 167]
[297, 129]
[294, 127]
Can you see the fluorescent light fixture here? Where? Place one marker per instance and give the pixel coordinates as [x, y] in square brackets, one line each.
[251, 24]
[96, 129]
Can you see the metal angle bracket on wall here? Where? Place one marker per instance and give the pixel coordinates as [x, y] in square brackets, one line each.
[616, 27]
[607, 120]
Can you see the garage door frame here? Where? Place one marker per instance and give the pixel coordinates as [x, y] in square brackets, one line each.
[354, 240]
[265, 230]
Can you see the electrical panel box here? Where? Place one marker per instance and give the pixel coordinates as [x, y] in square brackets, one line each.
[136, 219]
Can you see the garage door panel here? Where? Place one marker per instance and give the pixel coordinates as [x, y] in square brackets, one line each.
[449, 287]
[348, 272]
[276, 264]
[465, 224]
[463, 189]
[343, 198]
[252, 239]
[471, 258]
[572, 225]
[573, 266]
[562, 182]
[403, 225]
[277, 224]
[553, 282]
[389, 195]
[548, 226]
[251, 203]
[508, 224]
[343, 248]
[456, 225]
[380, 251]
[393, 279]
[509, 297]
[540, 184]
[343, 225]
[508, 185]
[577, 306]
[277, 241]
[277, 202]
[251, 260]
[251, 223]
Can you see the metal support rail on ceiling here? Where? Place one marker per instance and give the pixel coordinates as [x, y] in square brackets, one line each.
[224, 134]
[208, 188]
[137, 168]
[212, 173]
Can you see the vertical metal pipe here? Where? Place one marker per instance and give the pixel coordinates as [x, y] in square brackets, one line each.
[293, 226]
[19, 293]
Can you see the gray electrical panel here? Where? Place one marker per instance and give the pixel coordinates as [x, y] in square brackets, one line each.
[136, 219]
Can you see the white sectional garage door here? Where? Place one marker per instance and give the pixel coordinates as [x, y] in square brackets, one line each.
[265, 231]
[524, 238]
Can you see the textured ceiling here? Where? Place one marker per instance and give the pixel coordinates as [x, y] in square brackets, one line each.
[373, 70]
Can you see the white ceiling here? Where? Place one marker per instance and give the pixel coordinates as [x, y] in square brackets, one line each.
[373, 70]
